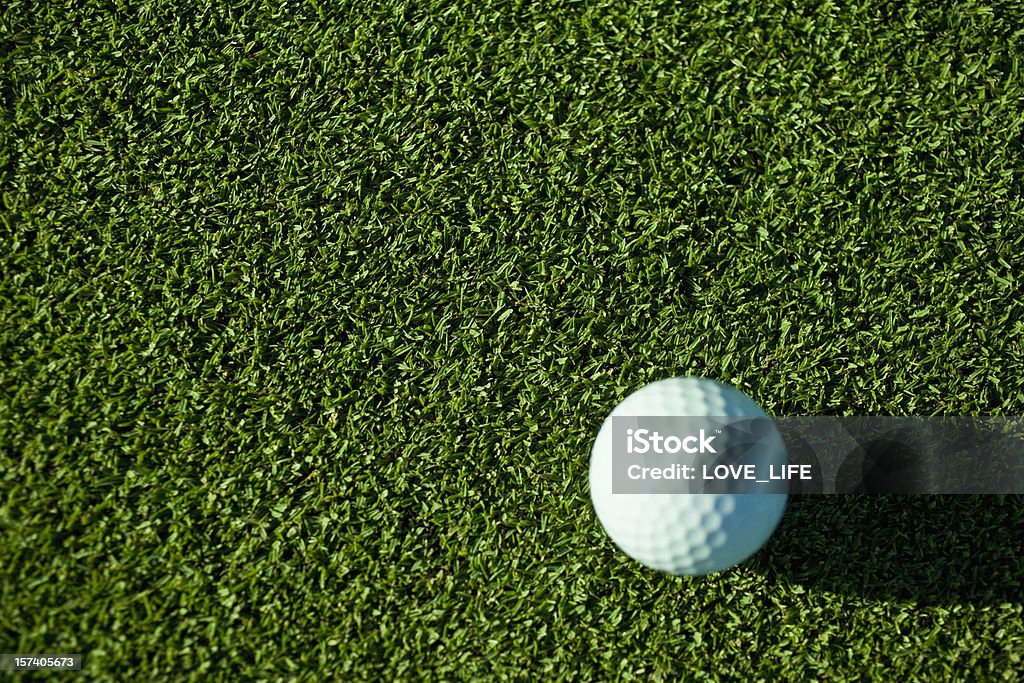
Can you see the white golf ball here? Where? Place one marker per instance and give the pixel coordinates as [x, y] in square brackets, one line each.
[687, 533]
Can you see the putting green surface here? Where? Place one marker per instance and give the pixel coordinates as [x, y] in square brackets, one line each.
[309, 314]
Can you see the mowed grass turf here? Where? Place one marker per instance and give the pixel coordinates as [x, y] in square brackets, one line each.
[309, 313]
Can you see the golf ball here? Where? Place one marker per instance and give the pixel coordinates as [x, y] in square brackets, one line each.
[687, 533]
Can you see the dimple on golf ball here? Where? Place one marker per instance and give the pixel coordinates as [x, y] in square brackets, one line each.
[687, 533]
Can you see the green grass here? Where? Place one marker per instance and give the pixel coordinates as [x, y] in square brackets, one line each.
[309, 313]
